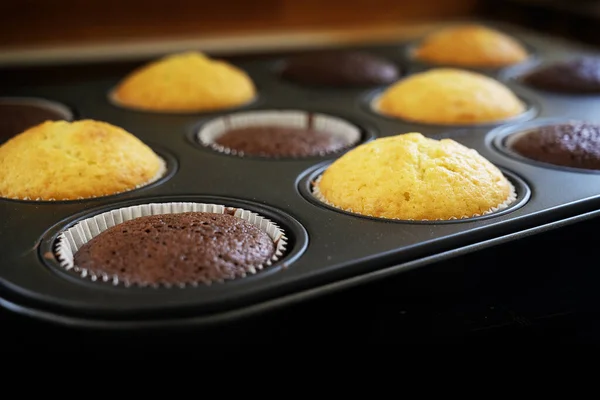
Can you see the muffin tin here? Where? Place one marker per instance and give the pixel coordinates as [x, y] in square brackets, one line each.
[327, 249]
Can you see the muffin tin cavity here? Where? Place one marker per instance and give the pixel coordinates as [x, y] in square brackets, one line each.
[17, 114]
[501, 140]
[306, 187]
[288, 238]
[279, 134]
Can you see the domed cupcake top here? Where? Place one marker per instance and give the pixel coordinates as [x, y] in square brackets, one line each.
[450, 96]
[60, 160]
[177, 249]
[411, 177]
[470, 45]
[575, 144]
[185, 82]
[278, 134]
[340, 68]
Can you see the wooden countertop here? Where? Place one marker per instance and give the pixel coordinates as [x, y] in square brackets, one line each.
[226, 44]
[41, 31]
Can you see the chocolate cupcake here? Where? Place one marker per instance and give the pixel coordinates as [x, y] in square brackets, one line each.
[573, 76]
[276, 134]
[19, 114]
[340, 68]
[574, 144]
[171, 244]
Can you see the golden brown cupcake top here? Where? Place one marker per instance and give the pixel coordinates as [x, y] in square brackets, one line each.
[470, 45]
[411, 177]
[185, 82]
[60, 160]
[449, 96]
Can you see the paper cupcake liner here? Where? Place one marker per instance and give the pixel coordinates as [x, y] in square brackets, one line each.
[159, 175]
[512, 197]
[72, 239]
[337, 127]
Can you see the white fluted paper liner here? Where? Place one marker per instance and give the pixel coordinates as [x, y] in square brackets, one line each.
[71, 240]
[512, 197]
[337, 127]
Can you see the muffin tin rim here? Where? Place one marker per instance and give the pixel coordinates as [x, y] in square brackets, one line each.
[368, 132]
[296, 234]
[304, 185]
[171, 168]
[496, 140]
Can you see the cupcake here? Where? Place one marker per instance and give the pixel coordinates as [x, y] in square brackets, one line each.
[449, 96]
[170, 244]
[61, 160]
[340, 69]
[410, 177]
[185, 82]
[574, 76]
[575, 144]
[470, 46]
[20, 114]
[276, 134]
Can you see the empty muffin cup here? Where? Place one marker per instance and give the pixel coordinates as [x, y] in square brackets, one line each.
[278, 134]
[176, 244]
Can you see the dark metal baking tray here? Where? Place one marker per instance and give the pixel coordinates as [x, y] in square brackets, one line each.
[328, 249]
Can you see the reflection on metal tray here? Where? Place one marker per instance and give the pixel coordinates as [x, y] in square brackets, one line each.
[328, 249]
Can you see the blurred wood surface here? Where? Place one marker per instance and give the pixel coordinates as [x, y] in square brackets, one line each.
[43, 23]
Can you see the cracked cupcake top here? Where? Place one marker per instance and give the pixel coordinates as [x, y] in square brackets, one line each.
[411, 177]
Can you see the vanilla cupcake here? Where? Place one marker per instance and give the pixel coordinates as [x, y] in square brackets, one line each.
[470, 46]
[449, 96]
[185, 82]
[410, 177]
[60, 160]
